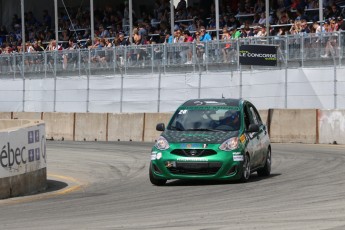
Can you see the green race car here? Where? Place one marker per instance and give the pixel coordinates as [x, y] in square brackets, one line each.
[214, 139]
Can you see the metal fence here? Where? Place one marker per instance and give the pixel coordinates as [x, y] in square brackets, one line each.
[294, 51]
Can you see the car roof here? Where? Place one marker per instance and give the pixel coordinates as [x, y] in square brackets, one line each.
[214, 102]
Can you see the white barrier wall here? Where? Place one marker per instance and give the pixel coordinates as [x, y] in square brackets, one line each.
[302, 88]
[331, 126]
[23, 158]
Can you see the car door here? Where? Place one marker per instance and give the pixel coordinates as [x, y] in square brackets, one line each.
[262, 136]
[255, 138]
[253, 142]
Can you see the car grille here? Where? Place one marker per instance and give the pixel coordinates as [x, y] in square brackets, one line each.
[193, 152]
[197, 168]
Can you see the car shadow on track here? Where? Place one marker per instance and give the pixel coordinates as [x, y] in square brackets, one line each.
[54, 185]
[253, 178]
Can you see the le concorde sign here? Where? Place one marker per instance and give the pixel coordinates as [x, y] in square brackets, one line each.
[258, 55]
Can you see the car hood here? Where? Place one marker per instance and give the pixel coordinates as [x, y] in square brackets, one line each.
[198, 136]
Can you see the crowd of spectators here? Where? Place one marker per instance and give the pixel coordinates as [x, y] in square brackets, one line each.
[238, 19]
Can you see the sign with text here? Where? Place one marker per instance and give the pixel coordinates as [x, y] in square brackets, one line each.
[22, 151]
[265, 55]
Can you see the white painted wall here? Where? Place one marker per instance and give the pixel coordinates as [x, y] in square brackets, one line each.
[306, 89]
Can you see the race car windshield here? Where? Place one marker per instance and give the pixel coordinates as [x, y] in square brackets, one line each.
[210, 119]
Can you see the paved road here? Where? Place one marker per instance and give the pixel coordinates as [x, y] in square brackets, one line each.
[106, 186]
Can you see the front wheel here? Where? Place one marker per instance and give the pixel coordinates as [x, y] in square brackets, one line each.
[245, 169]
[266, 170]
[155, 181]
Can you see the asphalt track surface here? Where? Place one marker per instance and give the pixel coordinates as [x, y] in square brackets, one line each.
[105, 186]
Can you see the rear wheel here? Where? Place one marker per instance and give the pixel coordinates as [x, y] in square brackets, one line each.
[266, 170]
[155, 181]
[245, 169]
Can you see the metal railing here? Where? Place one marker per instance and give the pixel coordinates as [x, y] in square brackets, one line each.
[295, 51]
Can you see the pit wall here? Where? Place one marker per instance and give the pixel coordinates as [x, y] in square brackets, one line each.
[284, 125]
[22, 157]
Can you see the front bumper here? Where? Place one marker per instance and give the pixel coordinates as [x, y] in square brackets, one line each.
[224, 165]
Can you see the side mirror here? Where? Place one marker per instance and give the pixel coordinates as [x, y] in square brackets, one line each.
[160, 127]
[253, 128]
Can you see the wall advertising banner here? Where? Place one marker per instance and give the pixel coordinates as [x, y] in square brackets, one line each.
[22, 151]
[258, 55]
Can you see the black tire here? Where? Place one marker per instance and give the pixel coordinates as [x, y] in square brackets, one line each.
[245, 169]
[155, 181]
[266, 170]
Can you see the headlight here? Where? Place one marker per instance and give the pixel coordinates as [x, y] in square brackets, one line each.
[162, 143]
[229, 144]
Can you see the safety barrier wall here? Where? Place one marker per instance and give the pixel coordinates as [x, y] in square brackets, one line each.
[284, 126]
[22, 157]
[331, 125]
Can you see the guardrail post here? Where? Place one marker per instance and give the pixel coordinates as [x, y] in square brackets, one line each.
[164, 57]
[152, 58]
[206, 56]
[194, 55]
[121, 92]
[14, 66]
[23, 77]
[159, 88]
[79, 62]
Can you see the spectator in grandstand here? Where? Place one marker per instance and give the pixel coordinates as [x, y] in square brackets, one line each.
[195, 25]
[341, 23]
[259, 6]
[304, 27]
[283, 18]
[235, 33]
[301, 15]
[179, 38]
[331, 40]
[296, 28]
[243, 32]
[180, 14]
[333, 11]
[48, 36]
[182, 5]
[63, 37]
[233, 22]
[136, 40]
[298, 4]
[98, 51]
[47, 20]
[186, 54]
[38, 58]
[262, 32]
[3, 31]
[312, 4]
[142, 31]
[226, 37]
[70, 57]
[204, 36]
[122, 41]
[262, 20]
[104, 33]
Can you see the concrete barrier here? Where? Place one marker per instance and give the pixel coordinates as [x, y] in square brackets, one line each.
[151, 120]
[4, 115]
[284, 125]
[27, 115]
[264, 116]
[293, 125]
[90, 127]
[331, 126]
[22, 158]
[59, 126]
[126, 127]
